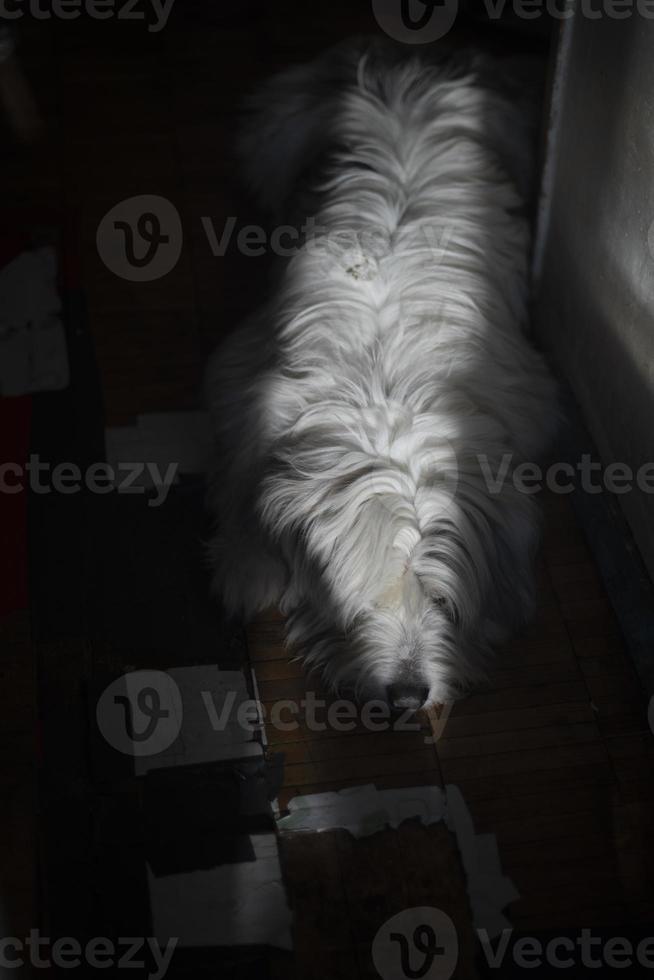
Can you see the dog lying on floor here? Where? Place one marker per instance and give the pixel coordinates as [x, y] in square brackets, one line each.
[362, 415]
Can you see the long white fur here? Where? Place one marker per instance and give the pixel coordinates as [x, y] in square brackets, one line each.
[352, 411]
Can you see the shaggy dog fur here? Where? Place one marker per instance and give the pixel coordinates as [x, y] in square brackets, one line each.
[360, 413]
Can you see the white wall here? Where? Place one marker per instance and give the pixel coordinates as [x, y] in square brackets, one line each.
[595, 288]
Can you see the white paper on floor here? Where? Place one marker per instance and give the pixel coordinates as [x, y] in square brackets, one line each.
[364, 810]
[489, 890]
[183, 440]
[230, 905]
[33, 353]
[218, 721]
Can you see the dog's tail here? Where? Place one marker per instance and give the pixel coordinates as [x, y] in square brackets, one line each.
[288, 123]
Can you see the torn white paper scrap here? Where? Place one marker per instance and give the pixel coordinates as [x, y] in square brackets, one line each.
[231, 905]
[217, 725]
[489, 890]
[363, 810]
[349, 809]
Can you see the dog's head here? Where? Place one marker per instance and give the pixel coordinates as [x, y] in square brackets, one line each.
[396, 569]
[408, 604]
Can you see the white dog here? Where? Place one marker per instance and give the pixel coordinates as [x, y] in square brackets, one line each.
[360, 413]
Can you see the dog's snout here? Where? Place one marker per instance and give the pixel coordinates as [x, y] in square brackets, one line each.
[407, 697]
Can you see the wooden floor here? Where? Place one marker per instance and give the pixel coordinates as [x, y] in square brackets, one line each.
[555, 757]
[342, 890]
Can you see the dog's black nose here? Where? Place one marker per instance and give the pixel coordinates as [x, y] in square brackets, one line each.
[407, 697]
